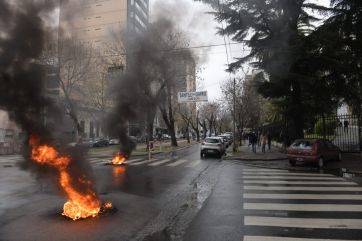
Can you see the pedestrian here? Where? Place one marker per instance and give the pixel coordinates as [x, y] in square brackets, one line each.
[264, 140]
[269, 136]
[254, 141]
[345, 125]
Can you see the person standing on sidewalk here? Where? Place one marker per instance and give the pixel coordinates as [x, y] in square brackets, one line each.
[264, 140]
[269, 136]
[254, 141]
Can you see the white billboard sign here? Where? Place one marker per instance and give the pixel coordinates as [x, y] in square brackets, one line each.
[190, 97]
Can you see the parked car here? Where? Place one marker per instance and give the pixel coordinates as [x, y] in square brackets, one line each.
[225, 141]
[87, 142]
[313, 150]
[224, 144]
[100, 143]
[227, 138]
[114, 142]
[211, 145]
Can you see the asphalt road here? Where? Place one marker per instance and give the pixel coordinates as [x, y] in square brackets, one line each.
[183, 197]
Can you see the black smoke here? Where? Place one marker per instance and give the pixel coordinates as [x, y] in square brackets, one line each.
[153, 60]
[22, 80]
[24, 31]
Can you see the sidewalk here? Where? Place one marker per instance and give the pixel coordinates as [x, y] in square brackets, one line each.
[351, 162]
[245, 154]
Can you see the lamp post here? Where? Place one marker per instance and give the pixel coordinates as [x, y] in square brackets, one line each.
[234, 115]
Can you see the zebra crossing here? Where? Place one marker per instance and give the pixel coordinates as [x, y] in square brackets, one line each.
[168, 162]
[280, 205]
[155, 162]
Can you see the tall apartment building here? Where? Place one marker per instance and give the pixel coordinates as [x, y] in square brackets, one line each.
[95, 20]
[101, 23]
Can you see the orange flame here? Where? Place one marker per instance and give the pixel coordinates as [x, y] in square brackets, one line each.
[80, 205]
[118, 159]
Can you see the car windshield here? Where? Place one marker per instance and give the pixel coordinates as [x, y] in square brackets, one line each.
[303, 144]
[211, 140]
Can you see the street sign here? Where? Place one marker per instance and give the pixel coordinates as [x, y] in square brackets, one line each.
[192, 97]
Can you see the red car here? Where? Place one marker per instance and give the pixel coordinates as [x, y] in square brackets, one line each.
[313, 150]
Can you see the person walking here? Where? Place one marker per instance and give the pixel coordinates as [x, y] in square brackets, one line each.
[264, 140]
[345, 124]
[269, 136]
[254, 141]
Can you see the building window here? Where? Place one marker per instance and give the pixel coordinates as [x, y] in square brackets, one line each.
[140, 9]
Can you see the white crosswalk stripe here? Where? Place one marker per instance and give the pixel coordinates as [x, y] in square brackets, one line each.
[194, 163]
[304, 188]
[141, 162]
[299, 182]
[294, 206]
[152, 163]
[292, 178]
[269, 238]
[304, 207]
[303, 222]
[159, 162]
[302, 196]
[177, 163]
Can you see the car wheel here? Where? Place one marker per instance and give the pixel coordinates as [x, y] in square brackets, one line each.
[292, 163]
[320, 162]
[202, 155]
[339, 156]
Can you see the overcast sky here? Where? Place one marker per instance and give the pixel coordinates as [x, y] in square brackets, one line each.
[201, 28]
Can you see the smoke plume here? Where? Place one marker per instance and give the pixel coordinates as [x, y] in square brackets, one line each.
[23, 93]
[153, 71]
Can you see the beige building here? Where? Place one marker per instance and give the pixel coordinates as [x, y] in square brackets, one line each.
[95, 21]
[100, 24]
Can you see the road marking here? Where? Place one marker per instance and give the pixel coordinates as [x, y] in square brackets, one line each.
[303, 222]
[194, 163]
[288, 174]
[179, 162]
[325, 189]
[264, 170]
[302, 196]
[303, 207]
[293, 178]
[159, 162]
[268, 238]
[141, 162]
[133, 160]
[298, 182]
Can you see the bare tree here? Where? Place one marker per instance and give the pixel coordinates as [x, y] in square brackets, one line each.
[75, 61]
[208, 116]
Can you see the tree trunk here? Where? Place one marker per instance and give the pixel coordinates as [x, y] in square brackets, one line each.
[204, 128]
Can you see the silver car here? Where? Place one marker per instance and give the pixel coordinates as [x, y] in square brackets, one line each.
[212, 145]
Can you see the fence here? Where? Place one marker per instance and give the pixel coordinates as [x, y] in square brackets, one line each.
[342, 130]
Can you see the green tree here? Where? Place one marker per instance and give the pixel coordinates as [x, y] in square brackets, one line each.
[340, 39]
[276, 32]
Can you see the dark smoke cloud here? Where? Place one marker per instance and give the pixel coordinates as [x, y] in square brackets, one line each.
[23, 34]
[151, 68]
[22, 86]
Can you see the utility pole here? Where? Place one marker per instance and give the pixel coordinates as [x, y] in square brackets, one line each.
[234, 117]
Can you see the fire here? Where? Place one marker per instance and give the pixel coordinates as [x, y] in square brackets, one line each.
[80, 204]
[118, 159]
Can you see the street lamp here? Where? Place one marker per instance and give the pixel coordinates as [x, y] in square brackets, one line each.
[234, 116]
